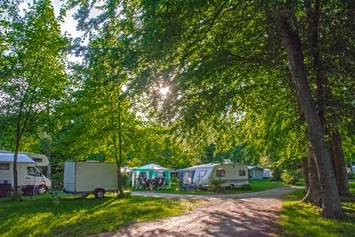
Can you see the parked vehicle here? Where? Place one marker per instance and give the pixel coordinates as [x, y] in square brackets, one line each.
[86, 178]
[30, 179]
[232, 175]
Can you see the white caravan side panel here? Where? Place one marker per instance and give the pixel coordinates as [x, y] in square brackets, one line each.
[235, 174]
[85, 177]
[69, 176]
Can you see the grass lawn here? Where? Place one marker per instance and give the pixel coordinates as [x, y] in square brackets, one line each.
[300, 219]
[43, 216]
[256, 186]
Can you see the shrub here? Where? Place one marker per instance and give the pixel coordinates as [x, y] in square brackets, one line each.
[216, 186]
[276, 173]
[351, 175]
[174, 179]
[57, 180]
[245, 187]
[289, 177]
[126, 180]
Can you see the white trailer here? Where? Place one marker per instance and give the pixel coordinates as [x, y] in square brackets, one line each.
[90, 177]
[29, 178]
[232, 175]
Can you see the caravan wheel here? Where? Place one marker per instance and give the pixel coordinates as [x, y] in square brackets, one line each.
[99, 193]
[231, 186]
[42, 189]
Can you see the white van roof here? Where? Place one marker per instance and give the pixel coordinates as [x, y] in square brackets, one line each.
[9, 158]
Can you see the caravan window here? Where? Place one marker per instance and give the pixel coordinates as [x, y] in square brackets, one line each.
[241, 172]
[32, 171]
[202, 173]
[220, 173]
[5, 166]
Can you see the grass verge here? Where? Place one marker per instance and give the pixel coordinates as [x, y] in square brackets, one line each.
[301, 219]
[256, 186]
[43, 216]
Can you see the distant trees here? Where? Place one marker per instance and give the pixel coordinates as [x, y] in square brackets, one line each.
[33, 77]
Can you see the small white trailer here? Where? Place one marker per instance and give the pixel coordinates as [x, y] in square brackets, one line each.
[232, 175]
[29, 178]
[86, 178]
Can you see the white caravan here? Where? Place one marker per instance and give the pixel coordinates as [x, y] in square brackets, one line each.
[90, 177]
[29, 178]
[232, 175]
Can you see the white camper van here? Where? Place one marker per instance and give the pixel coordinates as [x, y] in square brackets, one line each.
[90, 177]
[29, 177]
[232, 175]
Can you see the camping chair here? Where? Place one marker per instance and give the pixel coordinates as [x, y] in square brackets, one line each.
[156, 183]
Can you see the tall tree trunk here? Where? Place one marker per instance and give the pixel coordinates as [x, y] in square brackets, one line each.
[120, 183]
[331, 201]
[314, 192]
[339, 164]
[14, 168]
[305, 172]
[118, 147]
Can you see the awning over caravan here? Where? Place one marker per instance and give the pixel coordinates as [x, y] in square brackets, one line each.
[150, 171]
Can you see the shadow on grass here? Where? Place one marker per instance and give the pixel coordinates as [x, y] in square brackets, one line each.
[300, 219]
[217, 223]
[80, 217]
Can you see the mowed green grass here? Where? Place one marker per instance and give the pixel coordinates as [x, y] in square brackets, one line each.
[43, 216]
[300, 219]
[256, 186]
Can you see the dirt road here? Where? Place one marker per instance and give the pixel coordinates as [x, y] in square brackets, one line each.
[249, 214]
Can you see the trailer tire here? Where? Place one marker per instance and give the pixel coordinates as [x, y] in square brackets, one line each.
[231, 186]
[42, 190]
[99, 193]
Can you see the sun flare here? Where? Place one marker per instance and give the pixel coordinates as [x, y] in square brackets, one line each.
[164, 90]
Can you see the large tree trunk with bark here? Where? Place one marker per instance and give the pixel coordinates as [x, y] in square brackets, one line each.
[339, 164]
[331, 201]
[313, 192]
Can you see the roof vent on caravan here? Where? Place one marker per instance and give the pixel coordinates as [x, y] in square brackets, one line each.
[227, 161]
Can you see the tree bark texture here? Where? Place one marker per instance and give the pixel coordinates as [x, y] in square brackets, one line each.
[339, 164]
[314, 192]
[305, 172]
[331, 201]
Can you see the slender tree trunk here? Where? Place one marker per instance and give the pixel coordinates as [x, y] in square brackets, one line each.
[17, 147]
[305, 172]
[15, 186]
[331, 201]
[339, 164]
[120, 185]
[314, 192]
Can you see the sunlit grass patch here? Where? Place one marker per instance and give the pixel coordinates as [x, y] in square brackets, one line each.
[256, 186]
[301, 219]
[42, 216]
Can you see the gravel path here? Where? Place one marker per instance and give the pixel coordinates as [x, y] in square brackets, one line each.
[248, 214]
